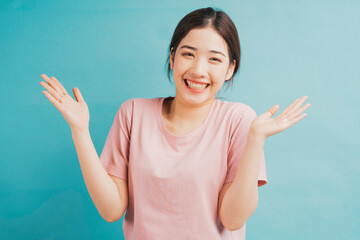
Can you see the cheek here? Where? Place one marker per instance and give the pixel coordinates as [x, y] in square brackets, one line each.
[180, 66]
[218, 73]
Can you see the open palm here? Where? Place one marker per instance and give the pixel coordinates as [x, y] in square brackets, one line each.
[76, 113]
[265, 125]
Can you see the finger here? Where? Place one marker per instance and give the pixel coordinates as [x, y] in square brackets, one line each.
[52, 84]
[298, 118]
[299, 111]
[288, 108]
[60, 85]
[297, 105]
[271, 112]
[78, 95]
[51, 91]
[56, 103]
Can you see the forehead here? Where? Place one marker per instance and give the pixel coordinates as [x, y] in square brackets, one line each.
[205, 39]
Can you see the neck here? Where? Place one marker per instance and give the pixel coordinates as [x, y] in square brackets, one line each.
[181, 113]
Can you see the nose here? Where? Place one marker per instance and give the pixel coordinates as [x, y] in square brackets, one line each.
[199, 67]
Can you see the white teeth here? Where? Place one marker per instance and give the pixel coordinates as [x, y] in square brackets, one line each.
[196, 85]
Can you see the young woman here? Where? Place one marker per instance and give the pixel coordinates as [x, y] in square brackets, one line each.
[183, 167]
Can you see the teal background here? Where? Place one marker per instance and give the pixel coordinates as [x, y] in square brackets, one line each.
[116, 50]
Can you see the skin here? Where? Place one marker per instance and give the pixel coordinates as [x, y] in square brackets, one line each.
[108, 193]
[75, 112]
[237, 199]
[187, 110]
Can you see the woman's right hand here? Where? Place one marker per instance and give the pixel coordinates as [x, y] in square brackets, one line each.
[76, 113]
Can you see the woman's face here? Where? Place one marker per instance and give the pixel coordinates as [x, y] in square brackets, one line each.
[202, 57]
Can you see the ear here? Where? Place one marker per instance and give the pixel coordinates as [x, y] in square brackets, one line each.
[171, 58]
[230, 70]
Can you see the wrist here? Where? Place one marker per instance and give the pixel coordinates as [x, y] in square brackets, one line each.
[76, 131]
[256, 136]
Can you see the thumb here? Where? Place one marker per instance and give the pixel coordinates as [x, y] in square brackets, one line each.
[271, 112]
[78, 95]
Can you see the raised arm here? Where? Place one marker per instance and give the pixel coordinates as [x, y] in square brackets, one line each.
[109, 194]
[238, 200]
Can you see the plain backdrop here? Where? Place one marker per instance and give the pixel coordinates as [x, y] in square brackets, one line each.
[116, 50]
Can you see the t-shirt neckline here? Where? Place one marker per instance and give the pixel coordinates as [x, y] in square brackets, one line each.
[190, 135]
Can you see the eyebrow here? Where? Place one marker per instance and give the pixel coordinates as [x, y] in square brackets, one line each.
[193, 48]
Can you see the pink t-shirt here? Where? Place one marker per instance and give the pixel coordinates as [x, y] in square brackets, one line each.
[174, 182]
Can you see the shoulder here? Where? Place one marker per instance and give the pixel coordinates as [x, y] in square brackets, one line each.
[138, 105]
[238, 110]
[130, 103]
[126, 107]
[240, 117]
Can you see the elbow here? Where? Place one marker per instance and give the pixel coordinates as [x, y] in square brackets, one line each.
[234, 227]
[111, 219]
[234, 222]
[114, 215]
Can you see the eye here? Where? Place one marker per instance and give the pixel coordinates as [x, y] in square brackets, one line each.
[216, 59]
[187, 54]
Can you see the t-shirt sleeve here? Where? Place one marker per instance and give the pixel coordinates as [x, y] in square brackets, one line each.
[115, 154]
[240, 130]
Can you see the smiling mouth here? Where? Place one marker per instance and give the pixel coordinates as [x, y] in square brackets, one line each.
[207, 85]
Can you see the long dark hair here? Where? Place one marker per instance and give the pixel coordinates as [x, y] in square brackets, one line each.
[208, 17]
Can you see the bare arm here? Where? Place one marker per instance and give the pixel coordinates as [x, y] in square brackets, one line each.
[238, 200]
[109, 193]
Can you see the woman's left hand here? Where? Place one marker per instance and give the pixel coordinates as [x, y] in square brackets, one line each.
[265, 126]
